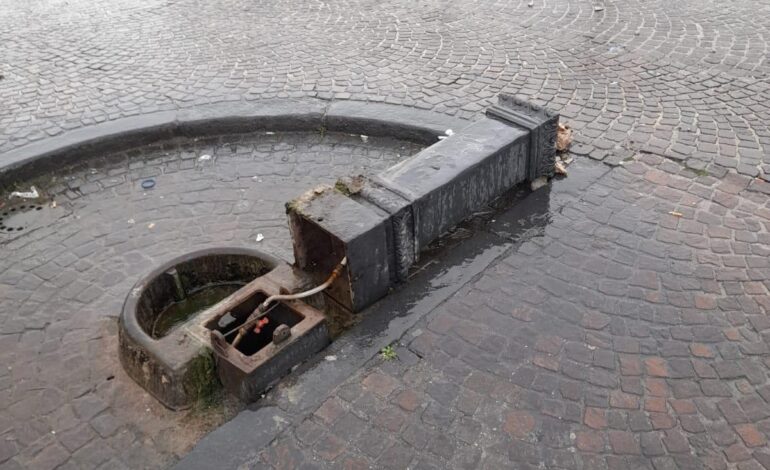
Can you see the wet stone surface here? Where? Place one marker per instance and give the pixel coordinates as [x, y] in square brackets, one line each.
[64, 397]
[630, 332]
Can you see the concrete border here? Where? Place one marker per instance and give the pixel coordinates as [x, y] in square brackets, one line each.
[355, 117]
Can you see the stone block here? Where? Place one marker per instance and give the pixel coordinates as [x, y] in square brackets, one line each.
[327, 226]
[450, 180]
[382, 222]
[542, 125]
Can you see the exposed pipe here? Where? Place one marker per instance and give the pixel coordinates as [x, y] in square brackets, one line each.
[264, 307]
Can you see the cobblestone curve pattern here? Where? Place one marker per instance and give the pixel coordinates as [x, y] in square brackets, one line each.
[687, 79]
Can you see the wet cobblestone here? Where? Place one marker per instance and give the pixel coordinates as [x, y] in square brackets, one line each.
[631, 334]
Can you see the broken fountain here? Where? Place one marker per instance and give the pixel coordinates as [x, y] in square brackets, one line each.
[246, 318]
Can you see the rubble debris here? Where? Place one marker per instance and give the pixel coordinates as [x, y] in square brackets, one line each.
[563, 137]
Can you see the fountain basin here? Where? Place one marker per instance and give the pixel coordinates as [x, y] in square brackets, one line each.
[157, 349]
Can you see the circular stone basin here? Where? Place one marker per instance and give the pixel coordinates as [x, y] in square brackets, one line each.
[155, 347]
[174, 296]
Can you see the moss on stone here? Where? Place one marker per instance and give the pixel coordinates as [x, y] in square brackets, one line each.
[201, 381]
[341, 187]
[350, 185]
[298, 204]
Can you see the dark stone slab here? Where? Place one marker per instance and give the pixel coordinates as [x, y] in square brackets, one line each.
[327, 226]
[448, 181]
[392, 216]
[542, 124]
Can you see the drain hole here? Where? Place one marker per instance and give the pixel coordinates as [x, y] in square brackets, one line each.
[38, 208]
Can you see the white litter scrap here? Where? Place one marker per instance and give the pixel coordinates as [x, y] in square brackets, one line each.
[364, 138]
[31, 194]
[260, 237]
[330, 358]
[204, 158]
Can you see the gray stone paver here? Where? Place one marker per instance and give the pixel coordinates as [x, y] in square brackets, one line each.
[687, 80]
[624, 336]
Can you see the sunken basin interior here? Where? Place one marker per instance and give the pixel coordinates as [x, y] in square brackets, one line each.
[256, 338]
[175, 296]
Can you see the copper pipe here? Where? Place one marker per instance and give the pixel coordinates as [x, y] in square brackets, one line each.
[262, 310]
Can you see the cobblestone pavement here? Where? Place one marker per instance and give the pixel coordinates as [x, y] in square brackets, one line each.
[685, 79]
[65, 400]
[632, 334]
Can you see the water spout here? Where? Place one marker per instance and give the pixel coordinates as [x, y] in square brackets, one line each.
[179, 293]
